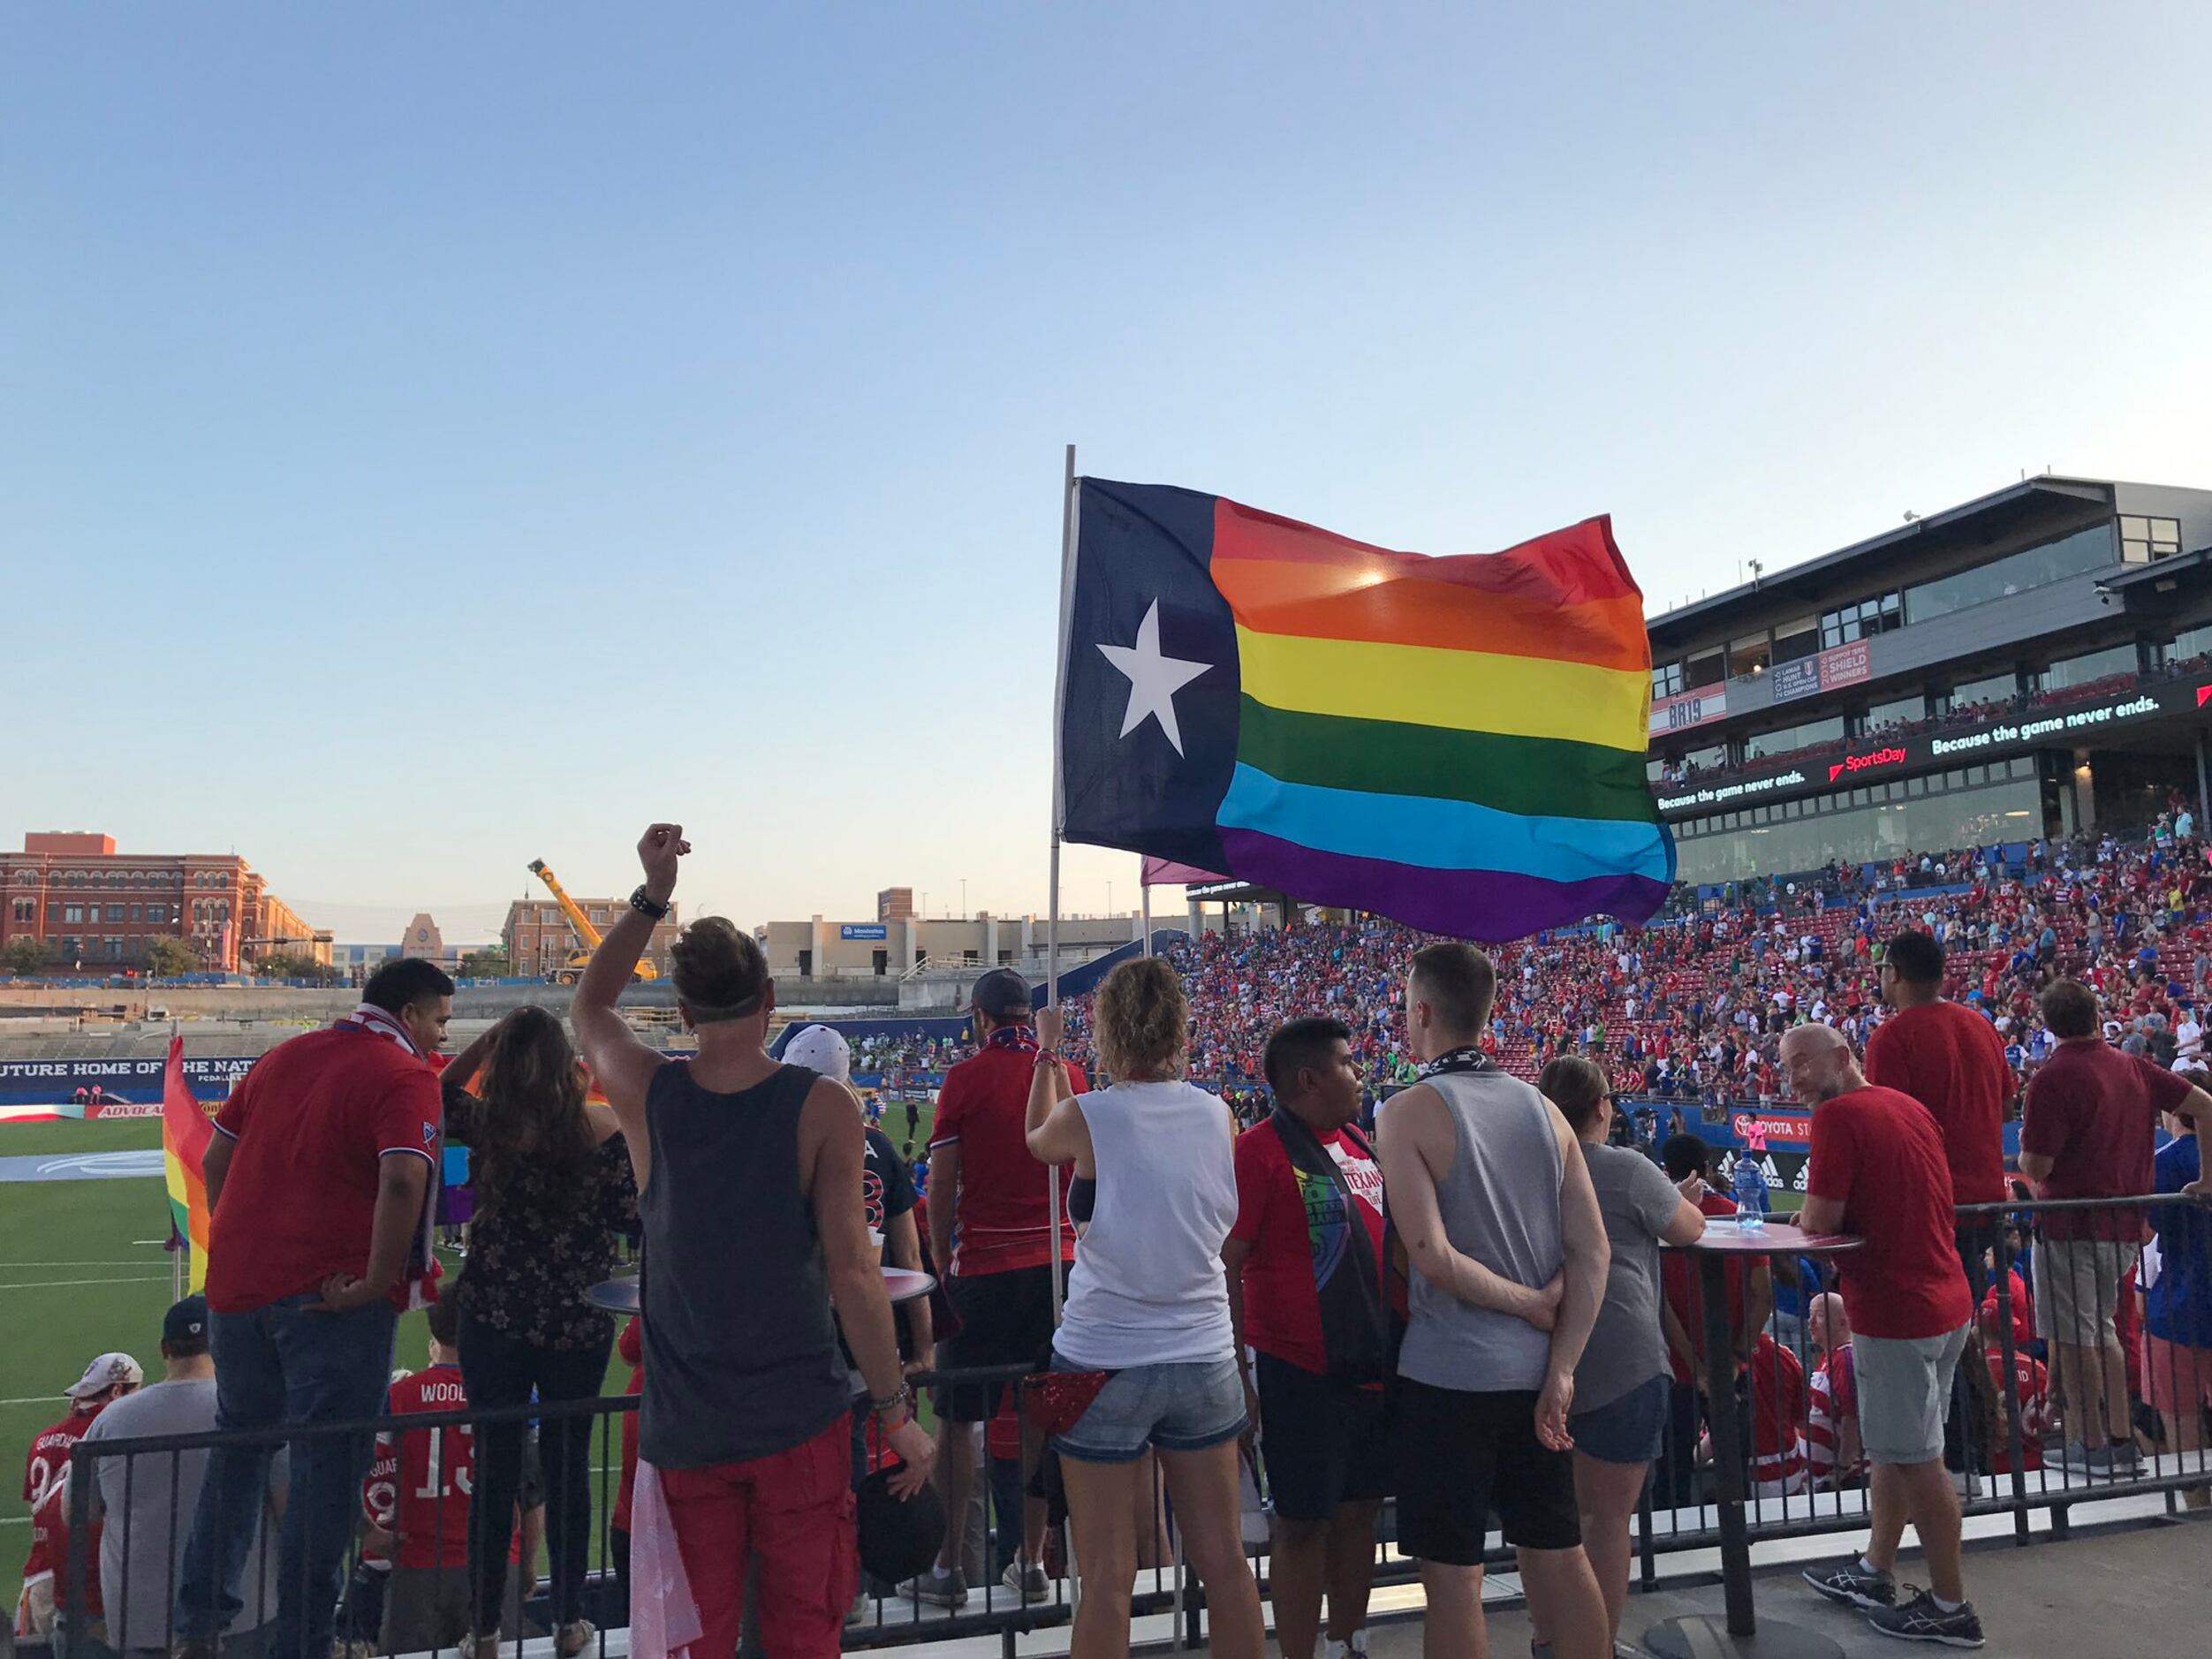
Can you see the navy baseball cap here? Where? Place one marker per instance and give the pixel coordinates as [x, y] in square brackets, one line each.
[1002, 994]
[185, 1325]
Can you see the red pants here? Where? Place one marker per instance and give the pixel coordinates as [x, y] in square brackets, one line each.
[793, 1511]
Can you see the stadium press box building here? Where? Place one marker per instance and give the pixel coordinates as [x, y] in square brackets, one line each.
[2036, 662]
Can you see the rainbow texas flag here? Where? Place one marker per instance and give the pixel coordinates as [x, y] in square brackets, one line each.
[185, 1136]
[1456, 743]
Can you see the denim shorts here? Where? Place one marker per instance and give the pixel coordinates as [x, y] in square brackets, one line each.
[1629, 1429]
[1175, 1407]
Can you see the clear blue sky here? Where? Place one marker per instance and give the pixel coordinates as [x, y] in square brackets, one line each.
[433, 438]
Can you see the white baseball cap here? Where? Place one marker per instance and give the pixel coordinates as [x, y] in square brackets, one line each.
[110, 1371]
[819, 1048]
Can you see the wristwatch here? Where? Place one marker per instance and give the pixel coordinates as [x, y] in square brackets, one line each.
[644, 901]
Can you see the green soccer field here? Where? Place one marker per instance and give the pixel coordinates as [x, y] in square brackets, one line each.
[83, 1272]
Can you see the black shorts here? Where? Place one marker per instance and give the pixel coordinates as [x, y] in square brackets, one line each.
[1460, 1457]
[1005, 1320]
[1324, 1443]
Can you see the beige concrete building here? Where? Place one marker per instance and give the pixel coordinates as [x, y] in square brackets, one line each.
[897, 949]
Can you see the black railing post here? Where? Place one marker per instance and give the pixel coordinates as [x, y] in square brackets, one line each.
[72, 1614]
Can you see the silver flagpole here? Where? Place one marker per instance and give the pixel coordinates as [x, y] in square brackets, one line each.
[1144, 898]
[1052, 916]
[1059, 814]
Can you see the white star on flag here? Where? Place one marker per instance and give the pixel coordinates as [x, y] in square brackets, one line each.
[1153, 679]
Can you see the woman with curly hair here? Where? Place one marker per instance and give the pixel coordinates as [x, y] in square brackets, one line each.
[554, 1190]
[1147, 1304]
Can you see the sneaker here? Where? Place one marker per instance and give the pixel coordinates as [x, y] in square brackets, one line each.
[1354, 1647]
[1854, 1586]
[2080, 1459]
[1920, 1619]
[1966, 1483]
[858, 1611]
[2122, 1460]
[940, 1588]
[1027, 1579]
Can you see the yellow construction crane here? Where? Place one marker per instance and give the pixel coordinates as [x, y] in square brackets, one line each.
[587, 937]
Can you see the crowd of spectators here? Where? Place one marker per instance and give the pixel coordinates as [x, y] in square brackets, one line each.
[1693, 1008]
[768, 1421]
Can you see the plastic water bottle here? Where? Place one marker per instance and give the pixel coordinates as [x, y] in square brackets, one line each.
[1752, 1202]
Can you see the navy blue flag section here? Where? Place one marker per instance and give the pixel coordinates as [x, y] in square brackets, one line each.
[1149, 679]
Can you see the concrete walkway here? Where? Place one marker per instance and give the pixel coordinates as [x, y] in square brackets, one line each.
[2139, 1593]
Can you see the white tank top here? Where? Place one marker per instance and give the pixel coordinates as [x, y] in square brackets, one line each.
[1148, 1286]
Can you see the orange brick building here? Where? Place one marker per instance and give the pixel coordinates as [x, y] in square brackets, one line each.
[94, 907]
[538, 939]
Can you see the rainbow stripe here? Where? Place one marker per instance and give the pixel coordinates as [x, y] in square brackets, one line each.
[186, 1132]
[1459, 742]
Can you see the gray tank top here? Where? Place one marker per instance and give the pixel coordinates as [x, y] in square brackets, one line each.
[1500, 1206]
[740, 1351]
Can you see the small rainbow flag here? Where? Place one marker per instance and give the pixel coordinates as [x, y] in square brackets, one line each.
[1455, 743]
[186, 1132]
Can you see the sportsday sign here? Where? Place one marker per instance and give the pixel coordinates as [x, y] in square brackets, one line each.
[1891, 757]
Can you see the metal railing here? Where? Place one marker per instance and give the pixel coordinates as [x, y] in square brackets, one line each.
[2013, 1388]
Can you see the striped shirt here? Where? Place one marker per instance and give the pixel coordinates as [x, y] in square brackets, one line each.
[1834, 1402]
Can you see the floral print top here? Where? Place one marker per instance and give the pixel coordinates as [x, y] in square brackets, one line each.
[538, 1243]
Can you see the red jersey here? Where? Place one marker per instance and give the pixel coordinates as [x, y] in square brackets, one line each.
[1952, 1062]
[1779, 1406]
[2023, 1311]
[1678, 1279]
[1296, 1226]
[1002, 1220]
[1879, 1155]
[421, 1488]
[312, 1121]
[2032, 1385]
[46, 1494]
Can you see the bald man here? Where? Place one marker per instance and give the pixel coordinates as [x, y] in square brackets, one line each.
[1828, 1322]
[1877, 1170]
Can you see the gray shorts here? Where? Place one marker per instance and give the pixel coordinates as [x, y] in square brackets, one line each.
[2078, 1288]
[1904, 1392]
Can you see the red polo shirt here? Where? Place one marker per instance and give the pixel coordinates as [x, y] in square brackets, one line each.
[2093, 1112]
[313, 1122]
